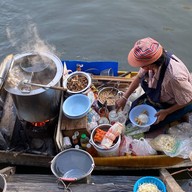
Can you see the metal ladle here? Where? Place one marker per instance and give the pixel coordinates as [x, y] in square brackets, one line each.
[25, 82]
[33, 68]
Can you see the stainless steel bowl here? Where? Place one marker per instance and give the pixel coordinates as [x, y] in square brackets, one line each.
[78, 74]
[109, 94]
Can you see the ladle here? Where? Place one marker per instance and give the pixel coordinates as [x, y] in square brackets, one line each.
[25, 82]
[33, 68]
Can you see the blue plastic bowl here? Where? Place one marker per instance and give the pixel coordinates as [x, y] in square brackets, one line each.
[76, 106]
[136, 111]
[149, 179]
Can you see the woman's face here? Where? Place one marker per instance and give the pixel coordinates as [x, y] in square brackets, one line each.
[149, 67]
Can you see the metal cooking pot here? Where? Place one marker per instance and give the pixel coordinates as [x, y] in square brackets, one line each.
[3, 183]
[36, 104]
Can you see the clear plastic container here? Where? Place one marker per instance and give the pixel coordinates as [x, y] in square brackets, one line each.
[93, 115]
[113, 117]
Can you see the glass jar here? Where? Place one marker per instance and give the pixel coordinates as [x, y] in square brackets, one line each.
[84, 140]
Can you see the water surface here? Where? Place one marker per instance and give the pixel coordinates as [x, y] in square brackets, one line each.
[95, 29]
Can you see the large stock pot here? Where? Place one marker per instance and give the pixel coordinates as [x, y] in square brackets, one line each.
[34, 104]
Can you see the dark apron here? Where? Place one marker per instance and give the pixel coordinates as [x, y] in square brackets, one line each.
[152, 95]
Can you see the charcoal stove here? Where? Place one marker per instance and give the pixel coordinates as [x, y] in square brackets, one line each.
[35, 138]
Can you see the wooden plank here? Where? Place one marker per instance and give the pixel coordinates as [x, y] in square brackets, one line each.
[50, 187]
[48, 183]
[8, 171]
[9, 115]
[111, 78]
[171, 184]
[13, 158]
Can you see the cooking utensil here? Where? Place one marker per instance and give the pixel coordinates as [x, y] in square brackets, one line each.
[25, 82]
[106, 83]
[36, 105]
[4, 69]
[31, 67]
[81, 166]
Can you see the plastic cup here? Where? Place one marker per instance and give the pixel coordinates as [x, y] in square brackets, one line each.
[107, 72]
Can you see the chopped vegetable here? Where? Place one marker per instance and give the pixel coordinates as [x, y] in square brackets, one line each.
[98, 137]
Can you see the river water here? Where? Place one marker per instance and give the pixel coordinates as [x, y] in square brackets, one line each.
[95, 30]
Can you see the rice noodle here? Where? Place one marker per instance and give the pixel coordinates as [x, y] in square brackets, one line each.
[148, 187]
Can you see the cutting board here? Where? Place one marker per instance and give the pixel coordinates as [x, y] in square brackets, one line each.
[69, 126]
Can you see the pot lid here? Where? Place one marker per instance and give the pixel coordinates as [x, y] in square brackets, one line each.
[39, 68]
[4, 68]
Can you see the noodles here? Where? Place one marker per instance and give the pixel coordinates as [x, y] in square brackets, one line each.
[148, 187]
[143, 118]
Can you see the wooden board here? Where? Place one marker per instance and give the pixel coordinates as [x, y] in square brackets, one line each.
[69, 126]
[73, 124]
[100, 182]
[171, 184]
[49, 183]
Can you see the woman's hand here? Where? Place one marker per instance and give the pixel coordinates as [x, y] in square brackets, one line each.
[120, 103]
[161, 115]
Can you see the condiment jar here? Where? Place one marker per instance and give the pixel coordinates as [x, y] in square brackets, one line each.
[103, 120]
[75, 140]
[84, 140]
[91, 150]
[103, 112]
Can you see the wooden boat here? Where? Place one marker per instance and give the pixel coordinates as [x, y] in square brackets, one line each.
[39, 159]
[46, 182]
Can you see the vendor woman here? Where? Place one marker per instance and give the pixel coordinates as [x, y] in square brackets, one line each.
[165, 79]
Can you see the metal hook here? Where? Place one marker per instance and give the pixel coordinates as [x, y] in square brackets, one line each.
[66, 187]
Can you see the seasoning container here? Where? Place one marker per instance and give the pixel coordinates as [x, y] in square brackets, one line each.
[92, 114]
[113, 117]
[103, 112]
[91, 125]
[76, 133]
[75, 140]
[121, 117]
[84, 140]
[103, 120]
[91, 150]
[67, 143]
[77, 147]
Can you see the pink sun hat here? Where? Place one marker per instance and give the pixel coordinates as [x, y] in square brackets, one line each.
[145, 52]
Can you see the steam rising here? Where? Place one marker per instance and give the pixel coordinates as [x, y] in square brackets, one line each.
[30, 42]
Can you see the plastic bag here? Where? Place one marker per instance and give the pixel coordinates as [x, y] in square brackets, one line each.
[131, 129]
[165, 143]
[183, 150]
[141, 147]
[125, 145]
[183, 129]
[173, 146]
[136, 94]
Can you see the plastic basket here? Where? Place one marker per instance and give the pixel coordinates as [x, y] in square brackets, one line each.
[149, 179]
